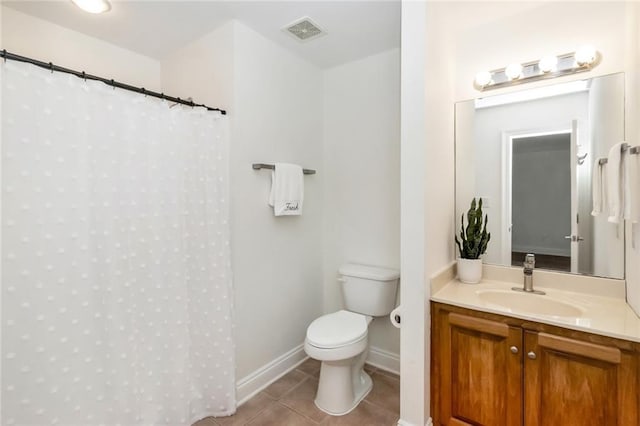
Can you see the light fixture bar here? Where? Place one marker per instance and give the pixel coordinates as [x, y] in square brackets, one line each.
[567, 64]
[536, 93]
[93, 6]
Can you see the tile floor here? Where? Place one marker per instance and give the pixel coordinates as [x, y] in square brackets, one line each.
[289, 402]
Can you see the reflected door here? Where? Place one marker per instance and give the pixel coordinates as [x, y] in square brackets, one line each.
[574, 237]
[542, 194]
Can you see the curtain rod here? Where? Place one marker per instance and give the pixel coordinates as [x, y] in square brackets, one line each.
[81, 74]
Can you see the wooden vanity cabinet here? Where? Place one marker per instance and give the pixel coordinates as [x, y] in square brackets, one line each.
[492, 370]
[568, 380]
[480, 377]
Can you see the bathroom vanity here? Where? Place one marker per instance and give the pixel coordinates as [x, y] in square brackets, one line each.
[572, 355]
[500, 357]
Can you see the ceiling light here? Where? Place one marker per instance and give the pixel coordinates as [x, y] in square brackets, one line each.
[585, 55]
[483, 78]
[93, 6]
[548, 64]
[513, 71]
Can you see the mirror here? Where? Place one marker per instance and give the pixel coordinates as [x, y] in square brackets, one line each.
[530, 156]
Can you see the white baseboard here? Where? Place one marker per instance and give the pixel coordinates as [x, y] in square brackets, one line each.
[248, 386]
[403, 423]
[384, 360]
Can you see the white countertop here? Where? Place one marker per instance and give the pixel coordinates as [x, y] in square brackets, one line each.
[607, 316]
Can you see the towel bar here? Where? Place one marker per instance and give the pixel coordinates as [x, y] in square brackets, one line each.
[625, 147]
[258, 166]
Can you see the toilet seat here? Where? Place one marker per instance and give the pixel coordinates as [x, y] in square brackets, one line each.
[338, 329]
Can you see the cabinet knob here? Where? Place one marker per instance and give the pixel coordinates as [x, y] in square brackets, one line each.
[514, 349]
[532, 355]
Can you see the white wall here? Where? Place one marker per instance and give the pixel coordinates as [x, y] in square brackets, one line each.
[544, 29]
[203, 69]
[440, 177]
[414, 375]
[28, 36]
[361, 170]
[277, 261]
[274, 101]
[632, 133]
[427, 189]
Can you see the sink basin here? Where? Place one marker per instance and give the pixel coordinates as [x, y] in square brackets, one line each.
[530, 303]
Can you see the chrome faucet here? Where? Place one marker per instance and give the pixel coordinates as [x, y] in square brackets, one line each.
[529, 265]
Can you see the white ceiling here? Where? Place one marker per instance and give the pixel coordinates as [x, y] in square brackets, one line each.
[356, 28]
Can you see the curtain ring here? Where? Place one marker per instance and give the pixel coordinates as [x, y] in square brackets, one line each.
[4, 55]
[51, 67]
[113, 84]
[144, 92]
[84, 76]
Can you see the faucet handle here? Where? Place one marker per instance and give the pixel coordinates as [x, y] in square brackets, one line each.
[530, 261]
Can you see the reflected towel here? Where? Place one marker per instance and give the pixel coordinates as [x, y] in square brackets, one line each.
[287, 190]
[618, 188]
[633, 176]
[598, 188]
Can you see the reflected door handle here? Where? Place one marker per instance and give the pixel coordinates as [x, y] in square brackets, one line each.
[573, 238]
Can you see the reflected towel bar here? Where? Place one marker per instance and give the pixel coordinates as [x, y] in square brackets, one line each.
[258, 166]
[625, 147]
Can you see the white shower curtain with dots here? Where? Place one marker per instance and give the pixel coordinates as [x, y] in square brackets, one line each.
[116, 281]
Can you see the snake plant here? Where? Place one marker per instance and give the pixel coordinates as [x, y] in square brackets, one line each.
[474, 239]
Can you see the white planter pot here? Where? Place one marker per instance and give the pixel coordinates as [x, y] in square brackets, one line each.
[470, 270]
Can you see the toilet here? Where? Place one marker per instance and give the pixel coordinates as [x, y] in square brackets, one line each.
[339, 340]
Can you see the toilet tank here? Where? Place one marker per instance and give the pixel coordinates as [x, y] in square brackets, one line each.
[369, 290]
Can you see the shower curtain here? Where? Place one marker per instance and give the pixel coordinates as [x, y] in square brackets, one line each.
[116, 282]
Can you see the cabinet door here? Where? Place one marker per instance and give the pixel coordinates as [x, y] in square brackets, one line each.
[480, 371]
[571, 382]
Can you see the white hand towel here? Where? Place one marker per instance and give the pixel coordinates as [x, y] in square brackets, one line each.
[598, 186]
[633, 174]
[287, 190]
[618, 189]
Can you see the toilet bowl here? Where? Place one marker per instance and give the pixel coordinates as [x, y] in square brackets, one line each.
[340, 339]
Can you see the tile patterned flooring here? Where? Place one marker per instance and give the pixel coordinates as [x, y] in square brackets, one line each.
[289, 402]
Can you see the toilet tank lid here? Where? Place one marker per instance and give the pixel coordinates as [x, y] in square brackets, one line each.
[369, 272]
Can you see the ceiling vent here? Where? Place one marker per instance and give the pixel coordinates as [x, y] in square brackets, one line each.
[304, 29]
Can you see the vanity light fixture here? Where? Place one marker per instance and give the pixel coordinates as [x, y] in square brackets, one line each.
[548, 64]
[513, 71]
[93, 6]
[583, 59]
[585, 55]
[483, 78]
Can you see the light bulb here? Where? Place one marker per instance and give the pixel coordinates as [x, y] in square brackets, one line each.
[548, 64]
[585, 55]
[513, 71]
[483, 78]
[93, 6]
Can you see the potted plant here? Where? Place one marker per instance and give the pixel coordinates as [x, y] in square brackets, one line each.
[472, 244]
